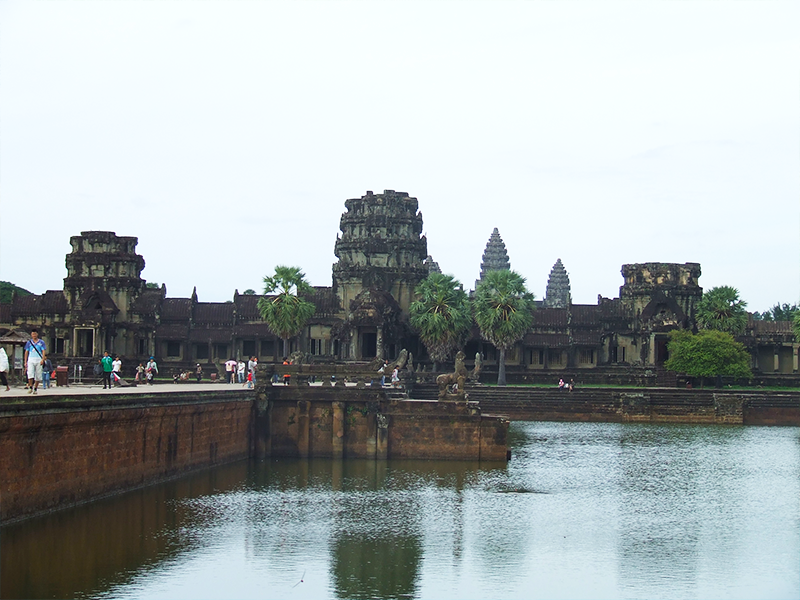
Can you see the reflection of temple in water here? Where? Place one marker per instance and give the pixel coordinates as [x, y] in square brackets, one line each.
[382, 256]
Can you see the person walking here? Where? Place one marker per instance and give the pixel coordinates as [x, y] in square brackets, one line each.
[240, 368]
[382, 371]
[252, 368]
[34, 355]
[116, 370]
[47, 369]
[198, 371]
[108, 368]
[139, 373]
[4, 366]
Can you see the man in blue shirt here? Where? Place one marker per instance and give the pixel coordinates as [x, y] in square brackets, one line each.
[34, 355]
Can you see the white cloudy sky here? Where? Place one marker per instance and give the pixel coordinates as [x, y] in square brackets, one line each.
[226, 136]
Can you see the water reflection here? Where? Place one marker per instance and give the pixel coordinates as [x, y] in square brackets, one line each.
[582, 511]
[90, 548]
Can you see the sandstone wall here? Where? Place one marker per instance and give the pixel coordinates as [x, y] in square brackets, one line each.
[363, 423]
[54, 454]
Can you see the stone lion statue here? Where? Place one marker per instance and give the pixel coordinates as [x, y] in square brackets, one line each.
[452, 385]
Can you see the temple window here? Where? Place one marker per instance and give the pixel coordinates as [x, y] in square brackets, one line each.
[201, 351]
[249, 348]
[174, 349]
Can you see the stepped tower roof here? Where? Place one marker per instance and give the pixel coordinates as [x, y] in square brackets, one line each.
[558, 292]
[495, 257]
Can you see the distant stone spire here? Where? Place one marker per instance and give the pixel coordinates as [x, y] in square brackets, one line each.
[557, 295]
[495, 257]
[433, 266]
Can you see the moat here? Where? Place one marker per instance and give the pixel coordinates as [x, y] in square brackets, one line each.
[583, 510]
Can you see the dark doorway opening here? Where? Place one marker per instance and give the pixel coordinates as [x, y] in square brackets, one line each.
[661, 350]
[369, 345]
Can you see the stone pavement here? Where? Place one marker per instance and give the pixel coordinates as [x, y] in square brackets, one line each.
[80, 389]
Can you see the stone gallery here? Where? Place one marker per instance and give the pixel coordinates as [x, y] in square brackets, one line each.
[382, 255]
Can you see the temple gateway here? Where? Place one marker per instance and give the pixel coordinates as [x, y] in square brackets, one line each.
[382, 255]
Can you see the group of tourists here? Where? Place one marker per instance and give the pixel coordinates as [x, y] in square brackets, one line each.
[241, 372]
[395, 374]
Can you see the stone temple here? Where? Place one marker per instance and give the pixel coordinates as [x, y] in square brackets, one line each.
[105, 304]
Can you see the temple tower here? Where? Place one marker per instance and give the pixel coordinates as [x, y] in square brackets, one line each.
[495, 257]
[381, 247]
[105, 267]
[558, 293]
[657, 298]
[103, 280]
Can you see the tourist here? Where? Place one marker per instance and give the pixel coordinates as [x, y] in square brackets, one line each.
[108, 368]
[4, 366]
[249, 379]
[116, 369]
[97, 371]
[571, 384]
[396, 378]
[198, 371]
[151, 370]
[286, 376]
[34, 355]
[561, 384]
[230, 370]
[139, 373]
[47, 369]
[252, 368]
[240, 368]
[382, 371]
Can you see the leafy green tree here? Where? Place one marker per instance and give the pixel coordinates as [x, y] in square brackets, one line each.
[441, 315]
[249, 292]
[779, 312]
[152, 286]
[722, 310]
[7, 289]
[796, 326]
[709, 353]
[286, 312]
[503, 310]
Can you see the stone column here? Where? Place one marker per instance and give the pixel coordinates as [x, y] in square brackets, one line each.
[379, 343]
[795, 348]
[776, 359]
[337, 429]
[303, 407]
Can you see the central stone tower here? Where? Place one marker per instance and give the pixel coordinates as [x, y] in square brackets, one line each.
[381, 248]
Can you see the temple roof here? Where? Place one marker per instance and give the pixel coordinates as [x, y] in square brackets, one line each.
[495, 257]
[558, 290]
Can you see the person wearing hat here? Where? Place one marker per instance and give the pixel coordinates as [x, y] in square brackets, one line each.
[198, 372]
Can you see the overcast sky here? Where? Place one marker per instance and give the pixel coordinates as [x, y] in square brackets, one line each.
[226, 136]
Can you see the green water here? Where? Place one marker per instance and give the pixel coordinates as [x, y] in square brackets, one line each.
[582, 511]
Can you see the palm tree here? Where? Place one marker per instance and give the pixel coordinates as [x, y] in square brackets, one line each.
[503, 310]
[286, 313]
[441, 315]
[720, 308]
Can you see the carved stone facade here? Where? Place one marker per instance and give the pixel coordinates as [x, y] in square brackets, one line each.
[558, 291]
[495, 256]
[363, 316]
